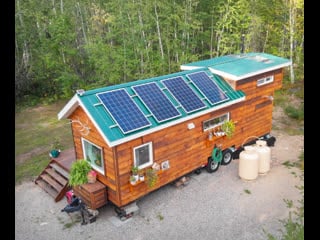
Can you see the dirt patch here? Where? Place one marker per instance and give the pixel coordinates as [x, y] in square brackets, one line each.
[288, 148]
[34, 152]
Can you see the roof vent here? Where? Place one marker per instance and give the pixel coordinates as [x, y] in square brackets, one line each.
[80, 91]
[261, 59]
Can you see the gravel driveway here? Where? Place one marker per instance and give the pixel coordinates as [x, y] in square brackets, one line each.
[212, 206]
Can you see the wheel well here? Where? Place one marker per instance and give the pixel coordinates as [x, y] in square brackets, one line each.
[232, 148]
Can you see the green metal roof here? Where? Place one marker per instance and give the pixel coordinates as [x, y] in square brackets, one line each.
[108, 128]
[236, 67]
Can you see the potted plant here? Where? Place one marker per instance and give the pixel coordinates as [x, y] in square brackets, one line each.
[133, 180]
[141, 176]
[151, 177]
[135, 170]
[55, 149]
[79, 172]
[228, 127]
[92, 176]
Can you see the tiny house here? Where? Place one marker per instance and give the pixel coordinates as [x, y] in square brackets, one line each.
[173, 122]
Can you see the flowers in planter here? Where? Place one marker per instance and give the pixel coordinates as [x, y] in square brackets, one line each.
[151, 177]
[228, 127]
[92, 176]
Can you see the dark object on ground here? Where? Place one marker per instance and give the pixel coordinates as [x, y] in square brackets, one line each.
[78, 205]
[127, 211]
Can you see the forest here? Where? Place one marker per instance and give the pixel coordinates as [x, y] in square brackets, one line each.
[64, 45]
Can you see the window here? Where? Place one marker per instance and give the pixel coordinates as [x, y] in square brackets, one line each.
[215, 122]
[263, 81]
[143, 155]
[93, 154]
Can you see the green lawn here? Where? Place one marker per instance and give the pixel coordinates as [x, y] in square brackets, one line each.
[37, 130]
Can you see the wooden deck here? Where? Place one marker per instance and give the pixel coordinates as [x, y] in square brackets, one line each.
[65, 159]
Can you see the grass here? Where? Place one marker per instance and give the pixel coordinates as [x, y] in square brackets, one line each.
[295, 113]
[291, 99]
[247, 191]
[76, 219]
[298, 164]
[160, 216]
[293, 225]
[37, 131]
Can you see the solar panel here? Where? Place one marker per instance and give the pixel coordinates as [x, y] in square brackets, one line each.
[123, 110]
[208, 87]
[156, 101]
[184, 94]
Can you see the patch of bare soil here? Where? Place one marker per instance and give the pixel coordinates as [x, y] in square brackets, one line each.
[34, 152]
[288, 147]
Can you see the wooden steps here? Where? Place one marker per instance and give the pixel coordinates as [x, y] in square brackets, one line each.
[54, 180]
[59, 169]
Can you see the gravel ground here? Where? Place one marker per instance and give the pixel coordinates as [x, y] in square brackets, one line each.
[211, 206]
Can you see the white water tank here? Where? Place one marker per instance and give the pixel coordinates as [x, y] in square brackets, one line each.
[264, 156]
[248, 163]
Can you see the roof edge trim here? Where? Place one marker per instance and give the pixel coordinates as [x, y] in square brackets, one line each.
[69, 107]
[236, 78]
[187, 68]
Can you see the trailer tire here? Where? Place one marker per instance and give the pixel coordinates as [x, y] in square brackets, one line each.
[212, 165]
[227, 156]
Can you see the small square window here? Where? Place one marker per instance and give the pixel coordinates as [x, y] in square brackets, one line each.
[263, 81]
[143, 156]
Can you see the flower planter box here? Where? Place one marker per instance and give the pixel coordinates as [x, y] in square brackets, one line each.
[93, 194]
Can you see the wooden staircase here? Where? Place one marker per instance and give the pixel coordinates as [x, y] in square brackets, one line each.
[54, 178]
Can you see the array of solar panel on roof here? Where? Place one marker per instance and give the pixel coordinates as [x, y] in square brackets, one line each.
[124, 110]
[208, 87]
[156, 101]
[184, 94]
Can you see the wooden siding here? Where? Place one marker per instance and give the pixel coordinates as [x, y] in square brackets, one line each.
[185, 149]
[257, 115]
[110, 177]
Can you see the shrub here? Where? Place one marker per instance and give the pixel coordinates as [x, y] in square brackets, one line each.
[295, 113]
[78, 172]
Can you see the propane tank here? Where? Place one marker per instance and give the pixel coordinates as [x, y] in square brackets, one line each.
[248, 163]
[264, 156]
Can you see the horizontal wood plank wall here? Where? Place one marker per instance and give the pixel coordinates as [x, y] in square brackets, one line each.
[110, 177]
[256, 118]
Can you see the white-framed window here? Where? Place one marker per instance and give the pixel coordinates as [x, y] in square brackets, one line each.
[266, 80]
[215, 122]
[143, 155]
[93, 154]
